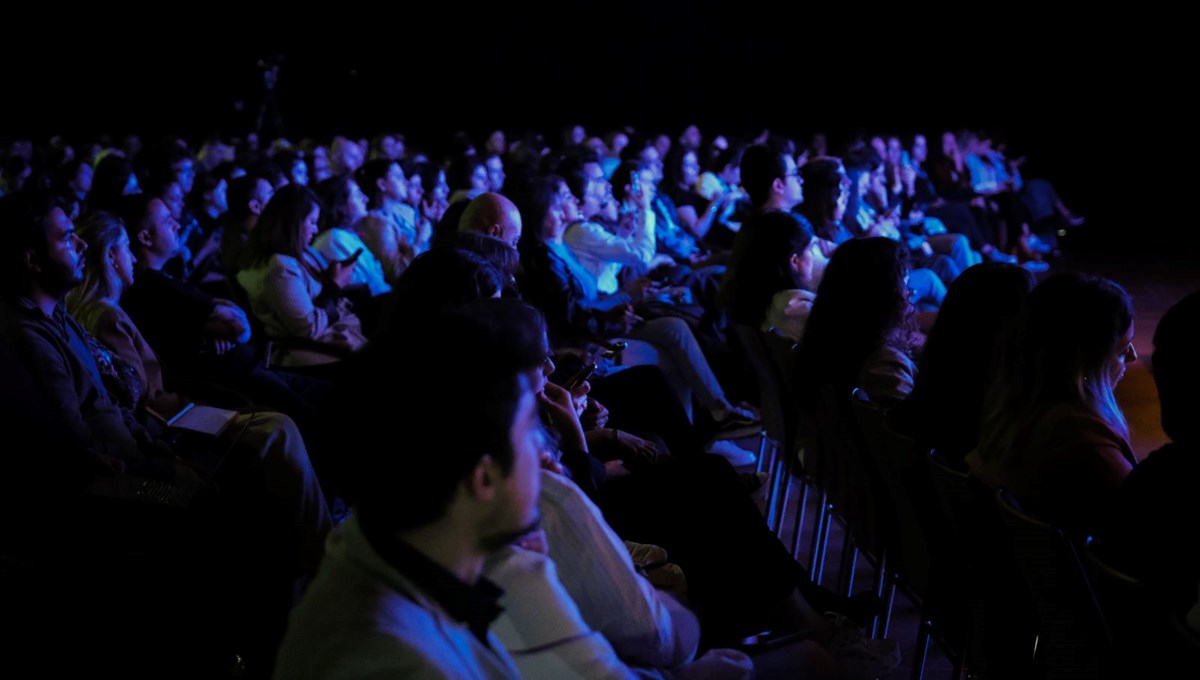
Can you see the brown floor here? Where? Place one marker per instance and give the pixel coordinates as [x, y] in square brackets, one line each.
[1155, 284]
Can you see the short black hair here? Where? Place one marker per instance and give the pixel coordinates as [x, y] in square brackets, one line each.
[454, 385]
[23, 223]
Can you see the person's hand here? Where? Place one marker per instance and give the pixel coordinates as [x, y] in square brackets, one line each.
[643, 287]
[222, 346]
[979, 202]
[926, 249]
[624, 316]
[548, 462]
[534, 541]
[661, 260]
[633, 445]
[433, 209]
[579, 397]
[558, 405]
[340, 273]
[614, 469]
[595, 416]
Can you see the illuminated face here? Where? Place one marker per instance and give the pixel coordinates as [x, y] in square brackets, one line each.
[173, 197]
[300, 172]
[570, 204]
[395, 185]
[263, 191]
[793, 189]
[309, 228]
[596, 189]
[415, 191]
[63, 269]
[479, 180]
[495, 173]
[920, 149]
[356, 204]
[160, 231]
[1126, 356]
[689, 169]
[185, 174]
[122, 260]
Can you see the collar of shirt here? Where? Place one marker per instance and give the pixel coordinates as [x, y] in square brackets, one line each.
[475, 605]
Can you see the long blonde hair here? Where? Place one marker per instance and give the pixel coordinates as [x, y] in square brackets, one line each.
[101, 285]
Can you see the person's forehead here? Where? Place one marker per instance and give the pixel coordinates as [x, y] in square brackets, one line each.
[57, 223]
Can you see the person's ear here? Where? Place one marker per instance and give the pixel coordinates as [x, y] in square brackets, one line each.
[31, 261]
[256, 206]
[381, 183]
[145, 238]
[779, 185]
[484, 481]
[796, 261]
[495, 231]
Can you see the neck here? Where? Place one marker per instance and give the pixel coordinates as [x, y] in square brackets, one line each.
[149, 260]
[450, 547]
[776, 202]
[44, 300]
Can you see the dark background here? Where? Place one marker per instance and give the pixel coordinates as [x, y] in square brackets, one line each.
[1091, 105]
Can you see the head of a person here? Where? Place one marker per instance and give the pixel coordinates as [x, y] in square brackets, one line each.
[1070, 344]
[958, 361]
[78, 176]
[153, 232]
[343, 203]
[826, 194]
[770, 177]
[920, 149]
[287, 224]
[248, 196]
[293, 166]
[460, 374]
[495, 172]
[540, 202]
[112, 179]
[502, 257]
[622, 180]
[778, 253]
[1176, 369]
[108, 262]
[382, 179]
[40, 249]
[440, 279]
[862, 303]
[468, 174]
[211, 194]
[494, 215]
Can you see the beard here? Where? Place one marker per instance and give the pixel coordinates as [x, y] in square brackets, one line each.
[493, 542]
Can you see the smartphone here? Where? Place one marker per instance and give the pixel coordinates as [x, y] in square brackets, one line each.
[582, 375]
[353, 258]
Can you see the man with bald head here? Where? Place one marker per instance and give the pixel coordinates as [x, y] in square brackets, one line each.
[493, 215]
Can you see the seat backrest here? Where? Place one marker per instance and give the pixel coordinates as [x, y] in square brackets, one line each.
[847, 473]
[1073, 634]
[911, 548]
[1003, 625]
[750, 340]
